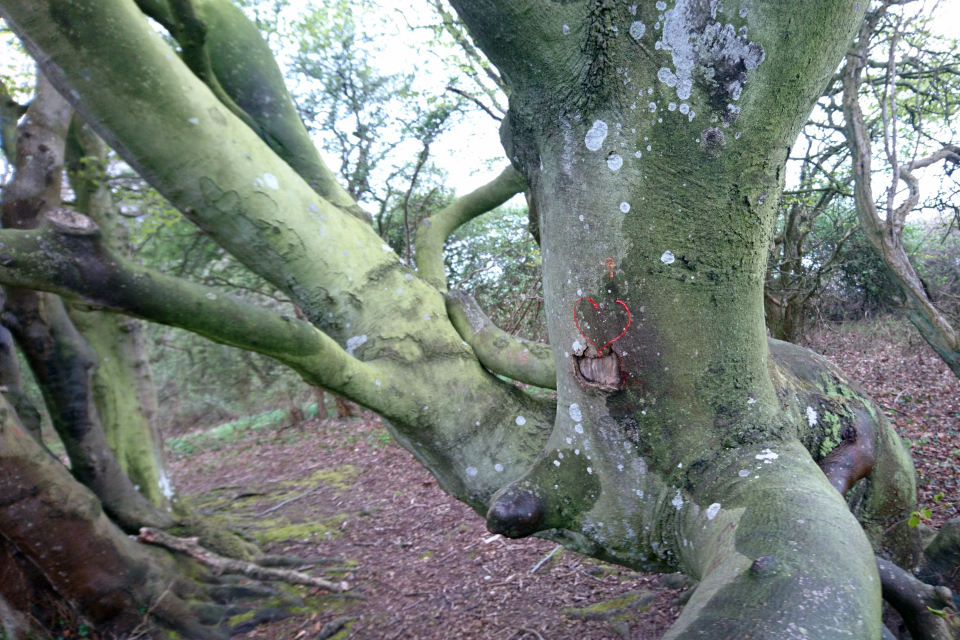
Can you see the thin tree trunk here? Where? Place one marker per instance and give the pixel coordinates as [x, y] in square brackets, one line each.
[123, 388]
[62, 362]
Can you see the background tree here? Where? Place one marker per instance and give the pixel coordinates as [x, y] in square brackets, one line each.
[654, 150]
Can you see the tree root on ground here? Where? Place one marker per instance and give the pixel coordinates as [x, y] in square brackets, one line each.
[929, 612]
[221, 565]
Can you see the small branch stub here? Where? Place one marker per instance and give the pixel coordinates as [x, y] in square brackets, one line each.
[71, 223]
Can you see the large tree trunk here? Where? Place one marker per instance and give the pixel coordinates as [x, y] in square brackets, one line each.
[657, 159]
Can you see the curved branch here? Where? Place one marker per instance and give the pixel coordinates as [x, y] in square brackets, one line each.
[68, 256]
[228, 53]
[497, 350]
[435, 230]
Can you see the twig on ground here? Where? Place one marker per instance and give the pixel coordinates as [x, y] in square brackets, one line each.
[545, 558]
[334, 626]
[286, 502]
[220, 565]
[526, 631]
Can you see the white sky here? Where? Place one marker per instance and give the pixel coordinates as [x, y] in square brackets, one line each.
[464, 150]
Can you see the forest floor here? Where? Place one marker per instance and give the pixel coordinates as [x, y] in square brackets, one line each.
[424, 564]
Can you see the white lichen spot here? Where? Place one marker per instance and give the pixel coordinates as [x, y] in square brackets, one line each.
[498, 467]
[578, 428]
[271, 181]
[399, 291]
[677, 501]
[211, 296]
[625, 207]
[578, 348]
[667, 77]
[633, 9]
[409, 276]
[194, 120]
[521, 421]
[639, 493]
[556, 463]
[812, 416]
[713, 510]
[166, 487]
[566, 29]
[354, 342]
[638, 154]
[637, 29]
[667, 257]
[684, 108]
[743, 473]
[575, 414]
[376, 382]
[743, 12]
[767, 456]
[614, 162]
[661, 6]
[596, 135]
[569, 440]
[619, 467]
[576, 452]
[751, 401]
[589, 470]
[471, 471]
[560, 454]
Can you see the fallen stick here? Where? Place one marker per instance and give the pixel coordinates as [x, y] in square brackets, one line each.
[545, 558]
[220, 565]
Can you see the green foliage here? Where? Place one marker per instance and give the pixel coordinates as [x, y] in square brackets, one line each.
[495, 259]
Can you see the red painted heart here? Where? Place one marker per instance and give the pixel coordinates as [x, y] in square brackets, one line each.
[601, 323]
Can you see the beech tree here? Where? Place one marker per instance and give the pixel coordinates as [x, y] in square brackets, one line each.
[652, 140]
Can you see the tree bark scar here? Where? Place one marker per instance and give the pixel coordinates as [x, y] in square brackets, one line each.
[600, 372]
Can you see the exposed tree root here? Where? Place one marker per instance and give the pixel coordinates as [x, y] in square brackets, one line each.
[941, 564]
[221, 565]
[928, 612]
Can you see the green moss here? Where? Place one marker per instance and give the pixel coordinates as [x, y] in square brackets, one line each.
[337, 477]
[278, 530]
[831, 439]
[427, 554]
[243, 617]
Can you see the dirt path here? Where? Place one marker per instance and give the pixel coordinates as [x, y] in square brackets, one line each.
[424, 563]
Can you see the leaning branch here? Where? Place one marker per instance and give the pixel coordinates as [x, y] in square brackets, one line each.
[435, 230]
[497, 350]
[67, 256]
[221, 565]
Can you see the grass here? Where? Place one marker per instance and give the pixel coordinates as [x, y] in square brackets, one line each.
[214, 437]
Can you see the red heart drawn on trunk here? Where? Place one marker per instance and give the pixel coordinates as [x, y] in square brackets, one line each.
[601, 324]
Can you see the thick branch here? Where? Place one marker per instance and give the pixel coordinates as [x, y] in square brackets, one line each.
[497, 350]
[68, 256]
[228, 53]
[435, 230]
